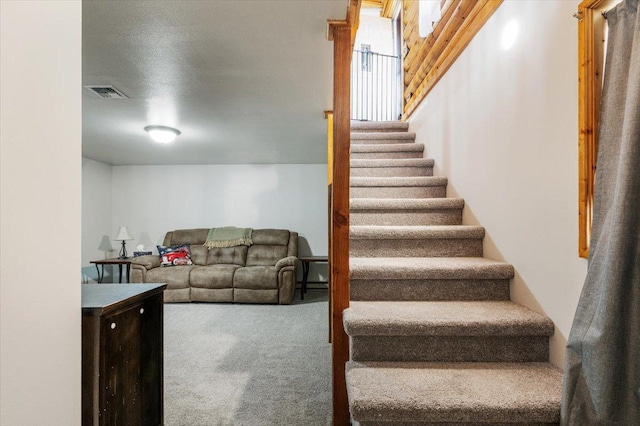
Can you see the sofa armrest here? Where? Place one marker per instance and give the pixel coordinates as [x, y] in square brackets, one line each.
[148, 262]
[287, 261]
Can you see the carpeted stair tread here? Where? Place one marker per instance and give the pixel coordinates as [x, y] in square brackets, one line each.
[394, 147]
[394, 162]
[491, 393]
[398, 181]
[450, 318]
[407, 268]
[379, 126]
[415, 232]
[358, 204]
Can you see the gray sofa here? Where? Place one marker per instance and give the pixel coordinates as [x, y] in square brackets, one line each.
[264, 272]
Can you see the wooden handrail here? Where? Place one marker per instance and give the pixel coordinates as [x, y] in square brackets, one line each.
[341, 33]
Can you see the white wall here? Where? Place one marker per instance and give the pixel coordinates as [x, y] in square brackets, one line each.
[502, 125]
[40, 137]
[97, 236]
[151, 200]
[375, 31]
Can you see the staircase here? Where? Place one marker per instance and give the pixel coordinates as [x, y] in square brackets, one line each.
[435, 339]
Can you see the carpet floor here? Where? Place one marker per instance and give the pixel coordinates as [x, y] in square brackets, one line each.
[232, 364]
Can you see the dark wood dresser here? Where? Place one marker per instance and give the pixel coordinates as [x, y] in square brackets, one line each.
[122, 354]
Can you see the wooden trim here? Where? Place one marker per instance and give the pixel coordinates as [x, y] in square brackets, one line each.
[332, 24]
[469, 27]
[339, 250]
[452, 18]
[372, 3]
[590, 64]
[586, 125]
[353, 18]
[416, 56]
[328, 115]
[388, 6]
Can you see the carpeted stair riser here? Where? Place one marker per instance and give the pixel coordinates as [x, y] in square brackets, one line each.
[386, 151]
[398, 187]
[428, 268]
[388, 139]
[381, 155]
[450, 348]
[412, 248]
[454, 393]
[410, 217]
[400, 171]
[436, 191]
[382, 139]
[406, 212]
[416, 241]
[379, 126]
[399, 167]
[429, 290]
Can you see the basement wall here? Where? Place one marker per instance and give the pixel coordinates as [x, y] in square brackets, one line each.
[40, 145]
[151, 200]
[97, 234]
[502, 126]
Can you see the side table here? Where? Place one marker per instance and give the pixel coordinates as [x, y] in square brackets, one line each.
[306, 260]
[116, 261]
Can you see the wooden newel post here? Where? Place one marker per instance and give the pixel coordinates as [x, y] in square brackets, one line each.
[339, 250]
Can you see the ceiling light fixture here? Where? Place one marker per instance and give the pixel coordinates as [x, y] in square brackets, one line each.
[162, 134]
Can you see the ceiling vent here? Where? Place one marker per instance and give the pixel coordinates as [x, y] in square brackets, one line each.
[107, 92]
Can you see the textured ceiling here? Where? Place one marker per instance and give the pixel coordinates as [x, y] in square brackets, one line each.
[244, 81]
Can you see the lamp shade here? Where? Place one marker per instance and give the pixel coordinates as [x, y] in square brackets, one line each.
[123, 234]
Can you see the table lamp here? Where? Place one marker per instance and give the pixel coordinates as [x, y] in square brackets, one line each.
[123, 235]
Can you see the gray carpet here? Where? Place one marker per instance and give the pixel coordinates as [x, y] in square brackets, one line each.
[231, 364]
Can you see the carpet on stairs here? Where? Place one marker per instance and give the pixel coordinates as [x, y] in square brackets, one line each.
[434, 337]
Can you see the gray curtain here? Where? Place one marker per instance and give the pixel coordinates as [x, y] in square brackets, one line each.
[602, 369]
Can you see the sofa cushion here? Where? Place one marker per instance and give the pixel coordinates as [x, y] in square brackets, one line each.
[211, 294]
[175, 277]
[213, 276]
[227, 255]
[199, 254]
[186, 236]
[270, 236]
[256, 277]
[263, 254]
[243, 295]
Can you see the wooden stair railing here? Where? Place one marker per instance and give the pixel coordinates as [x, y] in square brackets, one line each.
[342, 33]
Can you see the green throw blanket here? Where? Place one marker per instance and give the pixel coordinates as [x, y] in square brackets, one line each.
[228, 236]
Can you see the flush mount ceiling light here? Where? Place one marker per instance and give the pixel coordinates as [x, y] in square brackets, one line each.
[162, 134]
